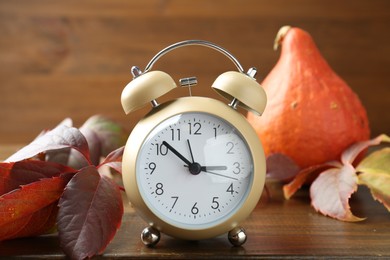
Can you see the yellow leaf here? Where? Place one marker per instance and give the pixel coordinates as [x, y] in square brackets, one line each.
[379, 184]
[376, 162]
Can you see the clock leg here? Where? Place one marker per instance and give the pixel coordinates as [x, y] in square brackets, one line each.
[150, 236]
[237, 236]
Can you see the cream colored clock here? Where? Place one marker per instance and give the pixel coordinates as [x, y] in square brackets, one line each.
[193, 167]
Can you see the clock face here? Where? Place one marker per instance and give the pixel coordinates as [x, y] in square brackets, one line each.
[194, 170]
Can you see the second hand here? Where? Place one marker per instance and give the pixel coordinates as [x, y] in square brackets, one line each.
[204, 169]
[222, 175]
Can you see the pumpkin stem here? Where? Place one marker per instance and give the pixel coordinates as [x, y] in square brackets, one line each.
[280, 35]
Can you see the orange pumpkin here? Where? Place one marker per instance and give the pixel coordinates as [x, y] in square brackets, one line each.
[312, 115]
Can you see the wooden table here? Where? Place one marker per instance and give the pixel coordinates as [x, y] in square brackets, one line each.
[277, 228]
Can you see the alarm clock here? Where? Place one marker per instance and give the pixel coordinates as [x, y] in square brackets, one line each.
[193, 167]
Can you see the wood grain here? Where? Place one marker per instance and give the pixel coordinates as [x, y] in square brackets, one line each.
[277, 229]
[72, 58]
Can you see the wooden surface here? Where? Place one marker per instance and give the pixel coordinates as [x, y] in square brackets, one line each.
[72, 58]
[277, 228]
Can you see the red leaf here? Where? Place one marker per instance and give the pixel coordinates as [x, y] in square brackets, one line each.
[19, 205]
[304, 175]
[114, 159]
[331, 191]
[38, 223]
[12, 175]
[60, 137]
[353, 151]
[10, 230]
[5, 169]
[281, 167]
[90, 212]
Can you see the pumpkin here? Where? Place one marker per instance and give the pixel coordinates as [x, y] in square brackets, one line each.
[312, 115]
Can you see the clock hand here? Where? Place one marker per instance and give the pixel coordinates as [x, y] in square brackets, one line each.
[204, 168]
[189, 146]
[210, 168]
[194, 167]
[175, 152]
[222, 175]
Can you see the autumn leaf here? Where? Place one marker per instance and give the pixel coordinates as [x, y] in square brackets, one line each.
[15, 174]
[376, 162]
[336, 181]
[5, 184]
[60, 137]
[66, 122]
[304, 175]
[95, 149]
[110, 134]
[41, 222]
[114, 159]
[331, 191]
[90, 212]
[58, 164]
[349, 155]
[19, 205]
[379, 184]
[103, 136]
[281, 167]
[375, 174]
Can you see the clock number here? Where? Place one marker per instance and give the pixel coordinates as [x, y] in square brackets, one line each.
[237, 168]
[194, 209]
[152, 167]
[159, 188]
[230, 189]
[161, 149]
[230, 146]
[215, 204]
[215, 132]
[194, 128]
[174, 203]
[175, 134]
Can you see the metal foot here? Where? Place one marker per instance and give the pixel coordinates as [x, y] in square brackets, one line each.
[150, 236]
[237, 236]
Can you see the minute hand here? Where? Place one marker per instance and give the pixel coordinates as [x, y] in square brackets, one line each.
[173, 150]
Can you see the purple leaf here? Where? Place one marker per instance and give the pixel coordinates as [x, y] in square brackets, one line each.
[94, 144]
[67, 156]
[110, 134]
[114, 159]
[66, 122]
[281, 167]
[90, 213]
[58, 138]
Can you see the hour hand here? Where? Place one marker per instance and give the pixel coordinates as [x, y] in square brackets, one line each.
[175, 152]
[213, 168]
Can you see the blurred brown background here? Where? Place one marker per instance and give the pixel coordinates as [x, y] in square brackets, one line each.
[72, 58]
